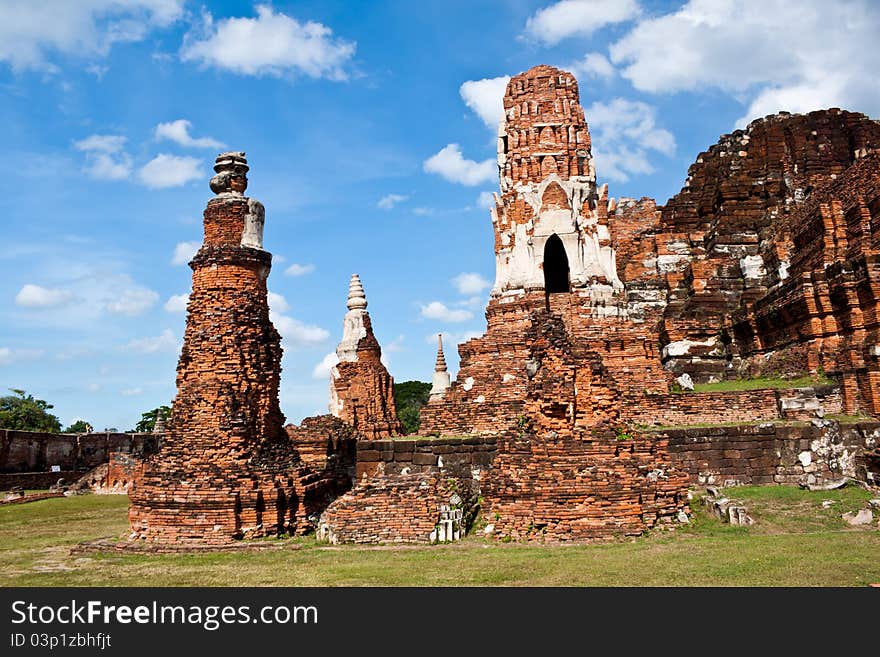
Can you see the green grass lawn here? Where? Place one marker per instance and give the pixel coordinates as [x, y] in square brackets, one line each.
[795, 542]
[763, 383]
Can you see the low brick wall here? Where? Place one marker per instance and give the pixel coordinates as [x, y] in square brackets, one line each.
[458, 456]
[28, 451]
[30, 498]
[36, 480]
[115, 477]
[398, 508]
[582, 487]
[400, 486]
[809, 453]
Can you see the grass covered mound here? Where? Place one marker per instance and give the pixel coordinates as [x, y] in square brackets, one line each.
[795, 541]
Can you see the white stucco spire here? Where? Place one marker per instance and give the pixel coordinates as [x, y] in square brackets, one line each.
[440, 381]
[357, 300]
[354, 328]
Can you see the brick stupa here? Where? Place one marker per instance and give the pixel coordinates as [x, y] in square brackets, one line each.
[227, 469]
[361, 389]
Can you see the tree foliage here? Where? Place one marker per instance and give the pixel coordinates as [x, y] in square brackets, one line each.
[24, 413]
[80, 426]
[148, 419]
[409, 397]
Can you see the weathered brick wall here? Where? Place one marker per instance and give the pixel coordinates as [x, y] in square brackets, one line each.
[579, 487]
[324, 441]
[29, 451]
[703, 407]
[460, 457]
[773, 454]
[733, 406]
[401, 508]
[738, 193]
[824, 314]
[401, 484]
[36, 480]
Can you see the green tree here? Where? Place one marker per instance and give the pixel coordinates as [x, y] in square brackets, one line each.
[80, 426]
[24, 413]
[409, 397]
[148, 419]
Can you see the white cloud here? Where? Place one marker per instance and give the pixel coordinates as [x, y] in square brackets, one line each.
[322, 369]
[270, 44]
[486, 98]
[178, 132]
[165, 342]
[623, 119]
[578, 18]
[794, 55]
[103, 143]
[36, 296]
[389, 201]
[9, 356]
[105, 157]
[472, 302]
[439, 311]
[298, 333]
[278, 303]
[177, 303]
[395, 345]
[470, 283]
[97, 70]
[297, 269]
[621, 164]
[132, 301]
[31, 31]
[423, 212]
[486, 200]
[450, 164]
[132, 392]
[594, 65]
[626, 131]
[184, 252]
[170, 171]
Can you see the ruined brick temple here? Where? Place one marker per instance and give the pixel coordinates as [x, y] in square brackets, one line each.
[760, 265]
[603, 313]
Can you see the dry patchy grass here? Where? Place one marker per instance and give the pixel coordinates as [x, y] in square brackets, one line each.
[795, 543]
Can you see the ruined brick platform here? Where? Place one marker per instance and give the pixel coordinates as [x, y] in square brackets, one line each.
[581, 487]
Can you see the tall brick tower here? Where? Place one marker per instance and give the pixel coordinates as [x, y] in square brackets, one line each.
[561, 347]
[226, 469]
[550, 233]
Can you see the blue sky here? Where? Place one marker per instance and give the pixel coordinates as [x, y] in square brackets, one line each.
[370, 130]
